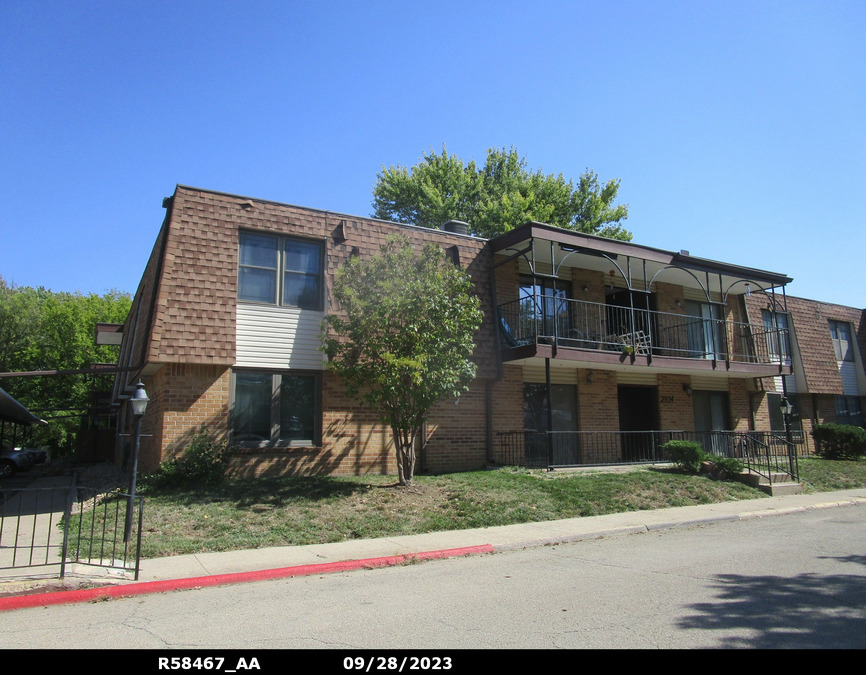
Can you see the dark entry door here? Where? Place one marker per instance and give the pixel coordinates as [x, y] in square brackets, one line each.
[638, 418]
[712, 415]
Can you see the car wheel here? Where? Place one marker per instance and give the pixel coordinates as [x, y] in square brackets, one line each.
[7, 468]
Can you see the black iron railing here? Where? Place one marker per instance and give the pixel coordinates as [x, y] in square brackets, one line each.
[30, 527]
[763, 452]
[589, 325]
[51, 527]
[96, 526]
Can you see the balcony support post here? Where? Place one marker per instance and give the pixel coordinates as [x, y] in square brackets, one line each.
[632, 322]
[549, 415]
[724, 310]
[534, 293]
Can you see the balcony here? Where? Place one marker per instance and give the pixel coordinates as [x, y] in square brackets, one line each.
[599, 334]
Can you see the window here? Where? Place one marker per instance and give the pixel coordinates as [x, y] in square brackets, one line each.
[564, 398]
[776, 330]
[276, 408]
[705, 330]
[295, 263]
[840, 333]
[848, 411]
[542, 302]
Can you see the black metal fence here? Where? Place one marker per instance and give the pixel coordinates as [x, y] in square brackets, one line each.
[48, 528]
[96, 530]
[763, 452]
[31, 527]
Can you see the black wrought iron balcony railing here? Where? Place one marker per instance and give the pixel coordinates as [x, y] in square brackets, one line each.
[589, 325]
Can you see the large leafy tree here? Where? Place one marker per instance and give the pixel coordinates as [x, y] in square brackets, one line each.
[45, 330]
[497, 197]
[404, 336]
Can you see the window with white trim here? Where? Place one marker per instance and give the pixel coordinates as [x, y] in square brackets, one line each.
[281, 271]
[840, 334]
[778, 337]
[276, 409]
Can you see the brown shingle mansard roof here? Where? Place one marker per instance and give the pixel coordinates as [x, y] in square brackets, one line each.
[184, 310]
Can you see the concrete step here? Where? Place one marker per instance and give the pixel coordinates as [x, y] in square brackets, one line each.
[778, 489]
[757, 480]
[782, 483]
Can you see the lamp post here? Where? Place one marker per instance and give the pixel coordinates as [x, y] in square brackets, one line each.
[139, 403]
[786, 408]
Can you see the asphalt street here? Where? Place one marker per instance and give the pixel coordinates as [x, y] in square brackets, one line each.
[795, 580]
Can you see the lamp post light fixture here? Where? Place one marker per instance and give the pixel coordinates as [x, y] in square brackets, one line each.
[786, 408]
[138, 402]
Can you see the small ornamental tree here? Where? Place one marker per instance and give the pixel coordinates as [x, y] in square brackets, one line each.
[403, 338]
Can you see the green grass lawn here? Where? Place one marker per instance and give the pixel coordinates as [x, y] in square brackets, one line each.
[824, 475]
[255, 513]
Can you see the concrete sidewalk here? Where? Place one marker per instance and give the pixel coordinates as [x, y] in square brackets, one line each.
[207, 569]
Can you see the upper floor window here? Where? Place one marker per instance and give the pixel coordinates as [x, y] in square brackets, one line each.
[840, 333]
[778, 339]
[280, 271]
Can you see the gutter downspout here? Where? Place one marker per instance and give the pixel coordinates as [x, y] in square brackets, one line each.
[500, 372]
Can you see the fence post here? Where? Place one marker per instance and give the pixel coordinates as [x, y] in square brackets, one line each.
[70, 498]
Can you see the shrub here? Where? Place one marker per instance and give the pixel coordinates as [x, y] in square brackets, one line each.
[839, 441]
[688, 455]
[203, 462]
[725, 467]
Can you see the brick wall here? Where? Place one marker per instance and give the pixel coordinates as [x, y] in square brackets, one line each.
[679, 414]
[740, 405]
[597, 401]
[183, 397]
[592, 280]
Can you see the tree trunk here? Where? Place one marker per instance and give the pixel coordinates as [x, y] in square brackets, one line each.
[405, 449]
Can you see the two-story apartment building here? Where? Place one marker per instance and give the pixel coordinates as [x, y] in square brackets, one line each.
[591, 350]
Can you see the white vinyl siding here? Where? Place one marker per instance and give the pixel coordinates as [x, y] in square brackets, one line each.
[841, 334]
[790, 382]
[535, 374]
[848, 373]
[709, 383]
[636, 378]
[275, 337]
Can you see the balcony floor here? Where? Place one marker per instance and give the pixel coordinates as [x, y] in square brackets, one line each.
[610, 360]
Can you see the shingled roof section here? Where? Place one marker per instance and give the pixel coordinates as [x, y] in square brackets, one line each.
[810, 320]
[195, 312]
[136, 328]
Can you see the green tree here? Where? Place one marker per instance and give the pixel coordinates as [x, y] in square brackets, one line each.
[497, 197]
[404, 336]
[44, 330]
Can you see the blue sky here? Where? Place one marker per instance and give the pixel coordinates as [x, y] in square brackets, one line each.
[738, 129]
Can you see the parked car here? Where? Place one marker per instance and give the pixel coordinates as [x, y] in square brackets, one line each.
[13, 459]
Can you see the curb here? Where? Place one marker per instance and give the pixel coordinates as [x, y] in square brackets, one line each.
[146, 587]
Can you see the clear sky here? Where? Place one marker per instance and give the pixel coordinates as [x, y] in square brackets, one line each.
[738, 129]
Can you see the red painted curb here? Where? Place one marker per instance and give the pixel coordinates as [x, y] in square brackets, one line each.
[69, 597]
